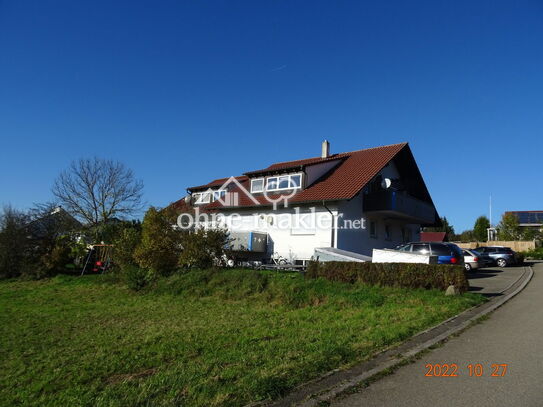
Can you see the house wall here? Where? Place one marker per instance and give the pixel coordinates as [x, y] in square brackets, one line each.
[314, 172]
[390, 171]
[292, 233]
[359, 240]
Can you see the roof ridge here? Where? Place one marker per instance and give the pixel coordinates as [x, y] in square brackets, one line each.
[336, 154]
[404, 143]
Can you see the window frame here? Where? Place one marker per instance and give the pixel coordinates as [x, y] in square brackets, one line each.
[201, 195]
[388, 232]
[373, 229]
[254, 180]
[221, 194]
[289, 178]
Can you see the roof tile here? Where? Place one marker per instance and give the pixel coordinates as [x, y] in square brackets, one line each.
[342, 182]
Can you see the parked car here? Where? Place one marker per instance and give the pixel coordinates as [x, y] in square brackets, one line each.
[484, 259]
[447, 253]
[473, 260]
[502, 256]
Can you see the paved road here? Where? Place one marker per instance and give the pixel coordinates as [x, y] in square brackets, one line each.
[492, 281]
[513, 335]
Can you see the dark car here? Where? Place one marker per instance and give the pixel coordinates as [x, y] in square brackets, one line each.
[502, 256]
[447, 253]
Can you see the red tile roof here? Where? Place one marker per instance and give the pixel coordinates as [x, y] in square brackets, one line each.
[217, 183]
[342, 182]
[296, 164]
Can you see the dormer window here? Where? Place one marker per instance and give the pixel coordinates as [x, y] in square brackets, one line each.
[292, 181]
[208, 196]
[220, 194]
[257, 185]
[201, 198]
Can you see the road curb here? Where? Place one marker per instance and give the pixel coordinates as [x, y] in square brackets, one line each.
[330, 385]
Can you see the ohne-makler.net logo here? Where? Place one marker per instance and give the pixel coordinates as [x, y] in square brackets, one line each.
[308, 220]
[228, 195]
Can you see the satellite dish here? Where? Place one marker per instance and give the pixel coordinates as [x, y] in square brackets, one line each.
[386, 183]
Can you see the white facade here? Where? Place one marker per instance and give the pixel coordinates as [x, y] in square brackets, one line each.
[293, 233]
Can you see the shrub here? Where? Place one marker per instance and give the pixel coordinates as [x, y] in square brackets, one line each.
[534, 254]
[124, 247]
[137, 278]
[203, 248]
[160, 244]
[57, 257]
[15, 246]
[427, 276]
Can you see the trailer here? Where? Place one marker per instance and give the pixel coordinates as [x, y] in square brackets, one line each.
[333, 254]
[399, 256]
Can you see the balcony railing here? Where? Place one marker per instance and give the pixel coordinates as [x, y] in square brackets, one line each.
[399, 204]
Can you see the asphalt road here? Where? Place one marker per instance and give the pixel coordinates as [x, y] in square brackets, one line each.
[492, 281]
[512, 335]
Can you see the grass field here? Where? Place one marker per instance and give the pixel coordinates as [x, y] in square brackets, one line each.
[199, 339]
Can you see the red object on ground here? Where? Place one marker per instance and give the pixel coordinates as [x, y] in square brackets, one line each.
[99, 264]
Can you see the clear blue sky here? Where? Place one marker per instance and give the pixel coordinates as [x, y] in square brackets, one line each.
[184, 92]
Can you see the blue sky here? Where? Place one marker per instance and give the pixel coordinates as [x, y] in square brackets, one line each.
[185, 92]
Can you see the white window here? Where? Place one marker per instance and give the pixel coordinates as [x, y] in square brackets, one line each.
[257, 185]
[220, 194]
[296, 181]
[271, 184]
[293, 181]
[201, 197]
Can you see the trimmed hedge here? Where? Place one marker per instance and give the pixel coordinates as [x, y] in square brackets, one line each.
[428, 276]
[534, 254]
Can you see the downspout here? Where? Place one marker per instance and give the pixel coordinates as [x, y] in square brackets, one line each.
[333, 237]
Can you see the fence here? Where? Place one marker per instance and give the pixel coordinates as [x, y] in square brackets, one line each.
[516, 245]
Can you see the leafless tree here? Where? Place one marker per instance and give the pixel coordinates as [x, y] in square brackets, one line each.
[97, 190]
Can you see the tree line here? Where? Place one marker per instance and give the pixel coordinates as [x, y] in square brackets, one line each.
[507, 230]
[97, 201]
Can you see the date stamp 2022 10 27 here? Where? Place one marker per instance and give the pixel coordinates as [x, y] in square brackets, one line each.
[472, 370]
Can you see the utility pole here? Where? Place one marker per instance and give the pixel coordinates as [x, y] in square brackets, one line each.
[490, 205]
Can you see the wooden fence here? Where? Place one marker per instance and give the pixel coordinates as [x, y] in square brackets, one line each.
[516, 245]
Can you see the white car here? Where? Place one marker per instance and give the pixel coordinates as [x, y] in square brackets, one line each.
[471, 260]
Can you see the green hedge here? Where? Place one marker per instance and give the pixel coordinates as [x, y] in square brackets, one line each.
[438, 276]
[535, 254]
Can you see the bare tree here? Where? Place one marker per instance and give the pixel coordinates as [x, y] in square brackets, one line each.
[96, 190]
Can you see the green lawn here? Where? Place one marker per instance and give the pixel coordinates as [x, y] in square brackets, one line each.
[200, 339]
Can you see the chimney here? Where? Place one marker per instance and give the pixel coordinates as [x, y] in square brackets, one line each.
[325, 152]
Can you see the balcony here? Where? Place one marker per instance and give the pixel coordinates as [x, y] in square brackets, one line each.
[399, 205]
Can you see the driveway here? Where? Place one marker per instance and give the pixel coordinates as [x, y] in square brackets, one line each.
[493, 281]
[512, 336]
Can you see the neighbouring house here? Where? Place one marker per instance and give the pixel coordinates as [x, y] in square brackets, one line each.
[354, 201]
[434, 237]
[55, 223]
[529, 219]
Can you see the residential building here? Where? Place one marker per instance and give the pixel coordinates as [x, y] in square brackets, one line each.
[354, 201]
